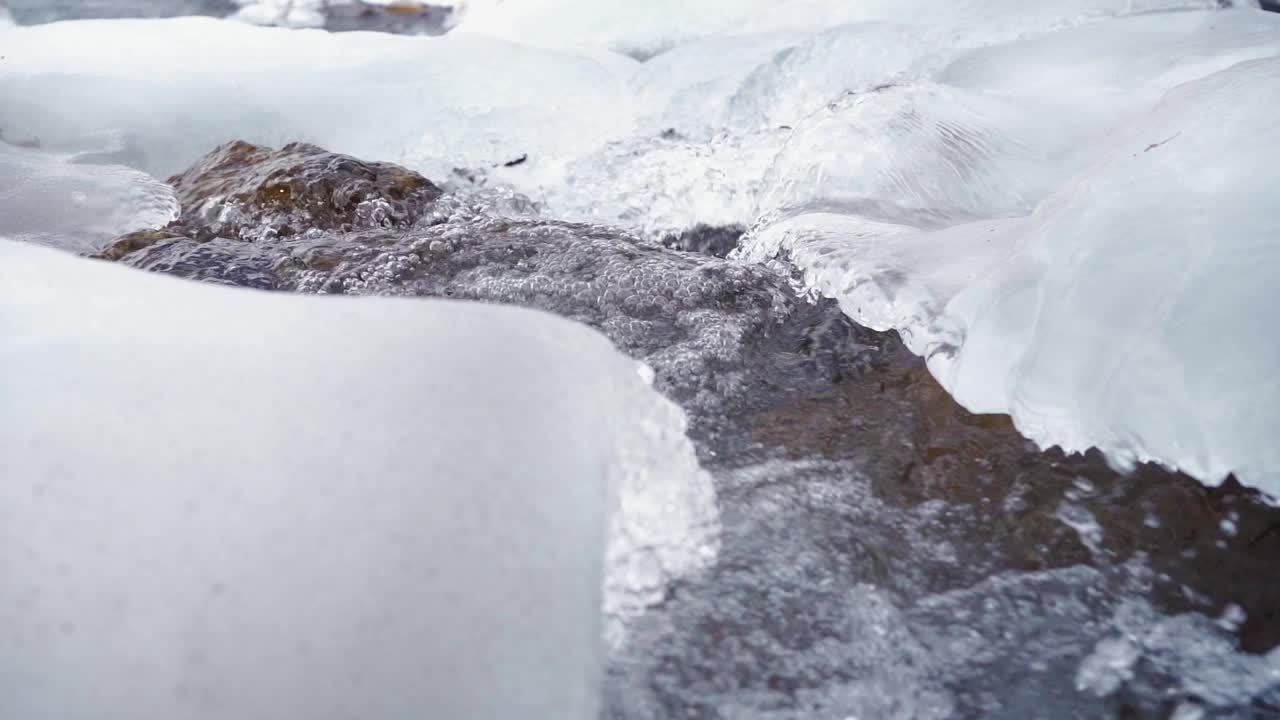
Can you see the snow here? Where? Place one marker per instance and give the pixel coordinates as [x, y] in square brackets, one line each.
[389, 506]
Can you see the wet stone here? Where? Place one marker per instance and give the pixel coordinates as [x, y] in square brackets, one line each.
[136, 241]
[715, 240]
[404, 18]
[217, 260]
[246, 191]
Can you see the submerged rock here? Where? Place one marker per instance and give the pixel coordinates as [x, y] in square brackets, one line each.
[884, 553]
[405, 18]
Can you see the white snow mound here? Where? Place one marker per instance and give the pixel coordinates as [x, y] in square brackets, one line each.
[222, 503]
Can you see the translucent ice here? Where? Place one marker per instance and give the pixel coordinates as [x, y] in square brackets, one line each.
[920, 154]
[392, 505]
[72, 202]
[1127, 318]
[1122, 313]
[287, 13]
[645, 29]
[181, 87]
[662, 184]
[1100, 74]
[689, 89]
[848, 59]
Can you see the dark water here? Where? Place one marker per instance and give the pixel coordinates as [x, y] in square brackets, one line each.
[884, 554]
[415, 19]
[32, 12]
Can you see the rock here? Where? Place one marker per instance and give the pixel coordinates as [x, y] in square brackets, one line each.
[714, 240]
[247, 191]
[136, 241]
[405, 18]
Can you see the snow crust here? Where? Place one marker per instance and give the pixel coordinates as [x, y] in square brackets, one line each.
[389, 505]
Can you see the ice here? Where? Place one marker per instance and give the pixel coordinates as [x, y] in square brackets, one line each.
[71, 201]
[641, 30]
[689, 89]
[1126, 274]
[646, 29]
[666, 183]
[904, 204]
[1099, 75]
[429, 103]
[920, 154]
[287, 13]
[1119, 314]
[996, 136]
[887, 276]
[392, 505]
[868, 111]
[851, 58]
